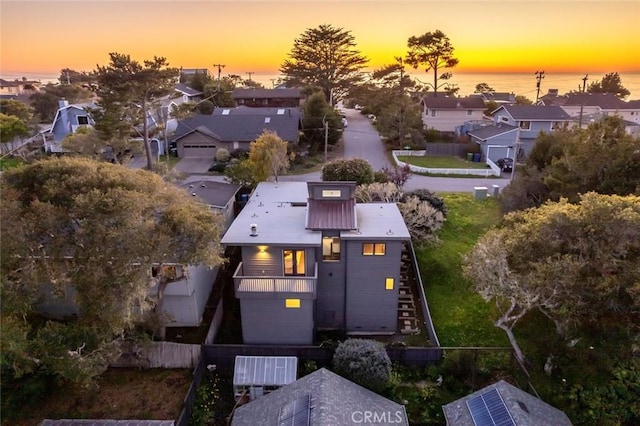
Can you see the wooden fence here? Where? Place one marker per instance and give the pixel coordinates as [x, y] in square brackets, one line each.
[158, 355]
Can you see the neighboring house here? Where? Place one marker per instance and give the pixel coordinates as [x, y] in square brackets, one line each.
[314, 259]
[219, 196]
[595, 103]
[445, 114]
[518, 125]
[503, 404]
[630, 127]
[188, 94]
[267, 97]
[321, 398]
[186, 295]
[501, 98]
[11, 89]
[68, 119]
[233, 128]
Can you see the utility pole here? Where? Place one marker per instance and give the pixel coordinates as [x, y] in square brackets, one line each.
[584, 85]
[539, 77]
[250, 72]
[220, 66]
[326, 136]
[273, 82]
[401, 123]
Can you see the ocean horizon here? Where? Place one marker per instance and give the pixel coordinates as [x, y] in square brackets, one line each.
[519, 83]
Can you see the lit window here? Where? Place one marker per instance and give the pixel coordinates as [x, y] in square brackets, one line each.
[331, 193]
[389, 283]
[292, 303]
[294, 262]
[373, 249]
[330, 248]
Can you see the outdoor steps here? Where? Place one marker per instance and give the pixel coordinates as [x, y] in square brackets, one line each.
[407, 319]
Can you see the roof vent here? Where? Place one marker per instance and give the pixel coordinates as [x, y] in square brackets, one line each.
[193, 193]
[254, 229]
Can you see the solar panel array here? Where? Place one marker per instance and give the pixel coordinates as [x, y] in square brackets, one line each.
[488, 409]
[296, 412]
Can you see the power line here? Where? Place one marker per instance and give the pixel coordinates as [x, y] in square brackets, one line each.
[584, 85]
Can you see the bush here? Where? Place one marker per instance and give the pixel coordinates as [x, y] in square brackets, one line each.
[428, 196]
[364, 362]
[239, 153]
[222, 155]
[355, 169]
[218, 167]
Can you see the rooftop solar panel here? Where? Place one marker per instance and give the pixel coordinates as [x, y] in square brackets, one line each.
[488, 409]
[296, 412]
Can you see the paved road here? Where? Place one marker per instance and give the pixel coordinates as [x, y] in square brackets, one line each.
[361, 140]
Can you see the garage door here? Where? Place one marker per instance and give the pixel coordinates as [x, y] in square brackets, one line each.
[199, 150]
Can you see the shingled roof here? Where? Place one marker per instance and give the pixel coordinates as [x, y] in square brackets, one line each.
[445, 102]
[244, 124]
[535, 112]
[488, 132]
[334, 401]
[524, 409]
[266, 93]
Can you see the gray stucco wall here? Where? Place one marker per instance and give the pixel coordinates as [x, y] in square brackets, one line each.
[369, 306]
[268, 321]
[185, 300]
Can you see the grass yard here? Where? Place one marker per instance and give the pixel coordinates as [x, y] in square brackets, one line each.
[460, 316]
[442, 162]
[9, 162]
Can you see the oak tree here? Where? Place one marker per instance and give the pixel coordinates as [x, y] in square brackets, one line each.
[575, 263]
[92, 231]
[434, 51]
[326, 57]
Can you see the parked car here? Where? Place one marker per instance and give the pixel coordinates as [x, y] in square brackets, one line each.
[505, 164]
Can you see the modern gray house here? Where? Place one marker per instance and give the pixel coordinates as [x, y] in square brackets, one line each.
[234, 128]
[321, 398]
[314, 259]
[503, 404]
[518, 126]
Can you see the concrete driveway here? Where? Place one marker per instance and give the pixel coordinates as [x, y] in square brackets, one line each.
[192, 165]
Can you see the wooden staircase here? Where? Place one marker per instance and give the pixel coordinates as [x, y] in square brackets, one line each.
[408, 322]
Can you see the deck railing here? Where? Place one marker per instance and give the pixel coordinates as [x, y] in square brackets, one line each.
[246, 285]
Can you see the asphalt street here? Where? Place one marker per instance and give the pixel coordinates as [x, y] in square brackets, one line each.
[361, 140]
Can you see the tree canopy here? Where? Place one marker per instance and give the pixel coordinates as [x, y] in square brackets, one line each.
[127, 92]
[316, 112]
[326, 57]
[602, 158]
[611, 83]
[576, 263]
[93, 231]
[434, 51]
[268, 156]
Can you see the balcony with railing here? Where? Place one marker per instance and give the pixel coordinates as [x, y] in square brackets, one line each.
[261, 286]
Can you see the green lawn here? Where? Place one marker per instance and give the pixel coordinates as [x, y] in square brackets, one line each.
[460, 316]
[442, 162]
[9, 162]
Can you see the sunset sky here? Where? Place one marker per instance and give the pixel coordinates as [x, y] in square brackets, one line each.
[256, 36]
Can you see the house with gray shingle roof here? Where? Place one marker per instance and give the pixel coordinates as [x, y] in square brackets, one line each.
[254, 97]
[504, 404]
[518, 125]
[314, 259]
[445, 113]
[233, 128]
[321, 398]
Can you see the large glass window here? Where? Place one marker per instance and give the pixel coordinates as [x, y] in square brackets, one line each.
[373, 249]
[294, 262]
[525, 125]
[330, 248]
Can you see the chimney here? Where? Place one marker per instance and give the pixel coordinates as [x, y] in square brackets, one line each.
[63, 103]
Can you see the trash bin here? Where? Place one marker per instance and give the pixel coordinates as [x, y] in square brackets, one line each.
[476, 157]
[469, 156]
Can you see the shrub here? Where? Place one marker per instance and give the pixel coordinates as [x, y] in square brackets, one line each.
[222, 155]
[428, 196]
[355, 169]
[364, 362]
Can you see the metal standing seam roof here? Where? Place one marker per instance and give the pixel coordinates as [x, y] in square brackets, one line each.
[264, 370]
[331, 215]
